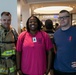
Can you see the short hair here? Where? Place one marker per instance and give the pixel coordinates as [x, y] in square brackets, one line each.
[56, 24]
[5, 13]
[62, 11]
[38, 22]
[49, 24]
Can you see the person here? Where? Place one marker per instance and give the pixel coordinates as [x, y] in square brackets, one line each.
[32, 46]
[8, 38]
[56, 26]
[50, 31]
[65, 43]
[49, 26]
[23, 29]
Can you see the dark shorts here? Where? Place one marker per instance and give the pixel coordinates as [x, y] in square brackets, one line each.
[56, 72]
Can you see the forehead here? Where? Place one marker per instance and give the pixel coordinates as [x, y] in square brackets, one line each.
[63, 14]
[5, 17]
[32, 18]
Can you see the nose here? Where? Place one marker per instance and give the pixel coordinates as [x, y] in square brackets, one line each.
[33, 22]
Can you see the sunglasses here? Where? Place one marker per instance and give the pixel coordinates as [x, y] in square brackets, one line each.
[63, 17]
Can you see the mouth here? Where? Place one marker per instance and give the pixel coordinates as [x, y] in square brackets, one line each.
[62, 22]
[32, 26]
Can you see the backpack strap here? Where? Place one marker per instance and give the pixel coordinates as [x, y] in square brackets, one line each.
[15, 35]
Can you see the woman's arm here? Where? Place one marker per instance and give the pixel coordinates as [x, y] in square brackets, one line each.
[49, 60]
[18, 62]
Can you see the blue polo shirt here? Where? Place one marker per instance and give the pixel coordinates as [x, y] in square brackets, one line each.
[66, 49]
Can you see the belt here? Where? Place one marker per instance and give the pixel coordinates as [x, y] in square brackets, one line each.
[8, 42]
[5, 57]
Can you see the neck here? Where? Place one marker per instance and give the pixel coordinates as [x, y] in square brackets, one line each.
[33, 32]
[65, 28]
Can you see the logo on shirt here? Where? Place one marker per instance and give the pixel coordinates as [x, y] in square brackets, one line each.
[39, 40]
[70, 38]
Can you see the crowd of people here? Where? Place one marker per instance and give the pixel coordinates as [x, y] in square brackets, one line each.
[35, 51]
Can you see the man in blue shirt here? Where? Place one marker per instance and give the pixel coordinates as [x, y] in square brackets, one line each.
[65, 43]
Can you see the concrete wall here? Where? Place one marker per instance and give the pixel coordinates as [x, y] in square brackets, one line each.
[26, 12]
[11, 6]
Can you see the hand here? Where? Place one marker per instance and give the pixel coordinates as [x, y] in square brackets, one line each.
[51, 72]
[19, 72]
[47, 71]
[73, 65]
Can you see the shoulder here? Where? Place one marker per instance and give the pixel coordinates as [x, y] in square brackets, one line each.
[1, 27]
[2, 30]
[57, 31]
[22, 34]
[13, 29]
[73, 28]
[44, 34]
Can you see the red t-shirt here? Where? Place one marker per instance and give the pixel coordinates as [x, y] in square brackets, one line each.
[33, 49]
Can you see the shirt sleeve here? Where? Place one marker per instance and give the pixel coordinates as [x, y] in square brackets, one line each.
[20, 41]
[48, 42]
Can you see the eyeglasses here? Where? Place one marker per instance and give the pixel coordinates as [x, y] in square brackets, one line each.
[64, 17]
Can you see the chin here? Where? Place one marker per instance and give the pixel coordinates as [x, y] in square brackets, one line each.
[63, 25]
